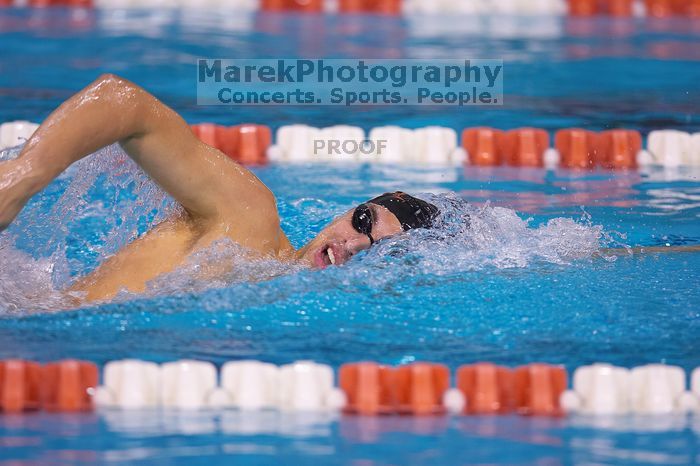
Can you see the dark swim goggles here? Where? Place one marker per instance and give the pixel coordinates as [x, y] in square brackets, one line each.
[363, 221]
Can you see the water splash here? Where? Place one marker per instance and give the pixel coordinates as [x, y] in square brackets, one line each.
[470, 238]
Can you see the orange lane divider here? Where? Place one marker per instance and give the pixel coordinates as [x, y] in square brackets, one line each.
[67, 386]
[537, 388]
[584, 8]
[415, 389]
[619, 8]
[369, 387]
[612, 149]
[665, 8]
[420, 388]
[576, 147]
[206, 132]
[483, 145]
[625, 8]
[486, 387]
[19, 386]
[692, 8]
[387, 7]
[659, 8]
[306, 6]
[244, 143]
[618, 148]
[50, 3]
[524, 147]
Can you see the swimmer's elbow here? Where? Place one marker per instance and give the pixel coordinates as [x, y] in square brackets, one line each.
[115, 88]
[129, 102]
[108, 77]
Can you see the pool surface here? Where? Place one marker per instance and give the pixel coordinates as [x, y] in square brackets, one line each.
[525, 282]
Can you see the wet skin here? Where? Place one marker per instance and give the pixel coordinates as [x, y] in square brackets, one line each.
[220, 198]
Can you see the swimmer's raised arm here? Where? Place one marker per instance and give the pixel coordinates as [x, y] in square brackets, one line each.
[205, 182]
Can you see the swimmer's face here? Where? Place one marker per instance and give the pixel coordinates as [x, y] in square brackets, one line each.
[339, 241]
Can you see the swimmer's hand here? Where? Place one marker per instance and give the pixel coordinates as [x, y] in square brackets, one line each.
[15, 190]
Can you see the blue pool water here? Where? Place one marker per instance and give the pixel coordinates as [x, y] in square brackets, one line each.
[524, 283]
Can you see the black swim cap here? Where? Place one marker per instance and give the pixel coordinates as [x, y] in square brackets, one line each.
[411, 211]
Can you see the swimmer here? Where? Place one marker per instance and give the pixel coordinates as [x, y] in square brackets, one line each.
[220, 198]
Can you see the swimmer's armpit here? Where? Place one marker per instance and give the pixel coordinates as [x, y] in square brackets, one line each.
[203, 180]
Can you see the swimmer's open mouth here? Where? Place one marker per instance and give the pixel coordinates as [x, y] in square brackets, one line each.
[328, 255]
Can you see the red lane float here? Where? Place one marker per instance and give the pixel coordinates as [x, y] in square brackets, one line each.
[618, 148]
[66, 386]
[576, 147]
[486, 387]
[306, 6]
[245, 143]
[660, 8]
[386, 7]
[206, 132]
[619, 8]
[412, 389]
[537, 388]
[524, 147]
[51, 3]
[692, 8]
[19, 386]
[583, 7]
[369, 387]
[420, 388]
[483, 146]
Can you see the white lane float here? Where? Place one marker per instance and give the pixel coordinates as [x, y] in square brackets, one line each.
[303, 143]
[129, 384]
[437, 145]
[248, 5]
[341, 143]
[659, 389]
[454, 401]
[695, 149]
[598, 389]
[249, 385]
[308, 386]
[528, 7]
[671, 148]
[503, 7]
[432, 145]
[695, 388]
[189, 384]
[14, 133]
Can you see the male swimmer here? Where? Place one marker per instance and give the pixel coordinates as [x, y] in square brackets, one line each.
[221, 199]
